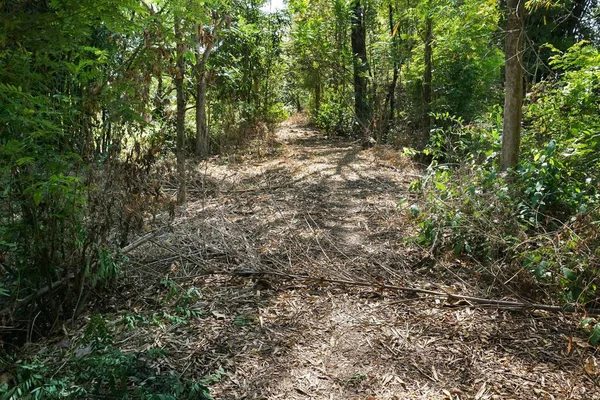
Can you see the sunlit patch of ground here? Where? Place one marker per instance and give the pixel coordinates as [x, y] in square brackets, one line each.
[326, 208]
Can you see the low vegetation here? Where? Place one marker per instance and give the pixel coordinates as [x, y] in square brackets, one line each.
[537, 222]
[120, 121]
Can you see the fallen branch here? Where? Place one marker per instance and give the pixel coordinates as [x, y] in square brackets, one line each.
[19, 303]
[28, 299]
[140, 241]
[450, 296]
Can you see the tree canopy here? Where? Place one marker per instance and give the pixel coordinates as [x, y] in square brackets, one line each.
[108, 110]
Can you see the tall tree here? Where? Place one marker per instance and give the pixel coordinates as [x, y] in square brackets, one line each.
[180, 124]
[394, 42]
[428, 73]
[361, 68]
[513, 97]
[205, 43]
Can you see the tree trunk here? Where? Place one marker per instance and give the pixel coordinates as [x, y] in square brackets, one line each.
[392, 90]
[361, 68]
[180, 125]
[513, 98]
[317, 97]
[201, 124]
[573, 22]
[159, 106]
[427, 77]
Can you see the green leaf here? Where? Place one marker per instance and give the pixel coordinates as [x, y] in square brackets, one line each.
[24, 160]
[586, 321]
[440, 186]
[37, 197]
[458, 248]
[551, 147]
[570, 274]
[414, 209]
[190, 56]
[595, 338]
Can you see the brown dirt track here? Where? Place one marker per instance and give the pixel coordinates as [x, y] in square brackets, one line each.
[327, 208]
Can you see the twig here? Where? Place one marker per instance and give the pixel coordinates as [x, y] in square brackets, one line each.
[19, 303]
[28, 299]
[132, 246]
[476, 300]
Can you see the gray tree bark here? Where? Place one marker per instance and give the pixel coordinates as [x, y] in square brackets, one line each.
[201, 124]
[513, 97]
[201, 61]
[391, 97]
[427, 77]
[180, 124]
[361, 68]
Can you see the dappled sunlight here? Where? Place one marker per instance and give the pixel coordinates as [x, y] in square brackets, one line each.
[321, 209]
[299, 199]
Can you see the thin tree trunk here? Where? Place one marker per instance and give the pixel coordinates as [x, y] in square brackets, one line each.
[201, 124]
[159, 106]
[392, 89]
[427, 77]
[317, 97]
[513, 98]
[180, 125]
[390, 99]
[361, 68]
[574, 19]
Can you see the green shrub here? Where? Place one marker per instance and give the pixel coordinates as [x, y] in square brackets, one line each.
[110, 373]
[99, 369]
[563, 118]
[542, 216]
[335, 117]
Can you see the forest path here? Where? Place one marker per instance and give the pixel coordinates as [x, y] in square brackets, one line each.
[327, 208]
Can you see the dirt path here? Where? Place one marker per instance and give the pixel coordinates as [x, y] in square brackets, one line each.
[329, 209]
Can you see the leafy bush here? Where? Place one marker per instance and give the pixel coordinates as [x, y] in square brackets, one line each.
[465, 205]
[334, 117]
[70, 193]
[99, 369]
[542, 216]
[564, 117]
[112, 373]
[479, 214]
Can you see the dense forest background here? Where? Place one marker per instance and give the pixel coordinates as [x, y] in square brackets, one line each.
[106, 105]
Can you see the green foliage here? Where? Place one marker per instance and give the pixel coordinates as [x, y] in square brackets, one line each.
[542, 217]
[247, 70]
[183, 307]
[563, 117]
[356, 379]
[111, 373]
[334, 118]
[67, 106]
[97, 334]
[99, 369]
[466, 205]
[467, 59]
[553, 24]
[86, 110]
[240, 321]
[318, 58]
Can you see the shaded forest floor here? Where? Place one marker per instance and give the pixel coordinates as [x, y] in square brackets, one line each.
[325, 207]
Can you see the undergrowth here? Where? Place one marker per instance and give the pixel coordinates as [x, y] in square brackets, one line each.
[539, 220]
[95, 366]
